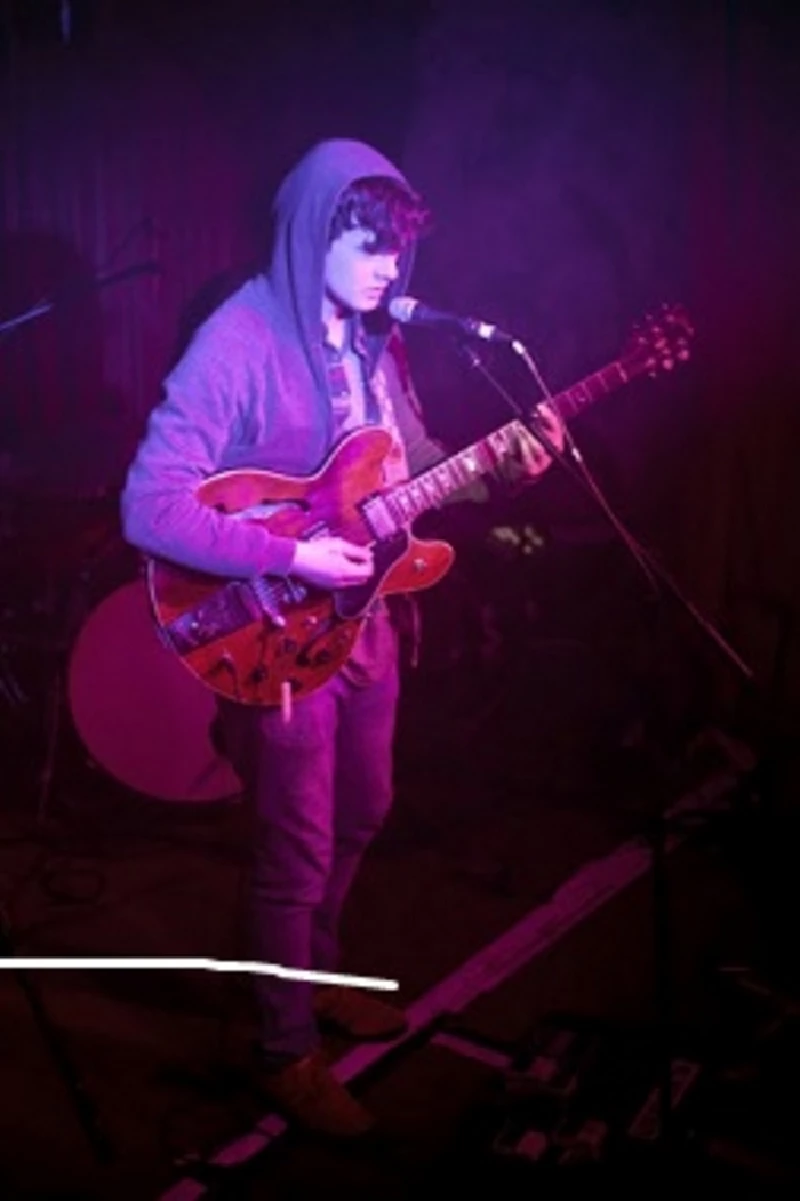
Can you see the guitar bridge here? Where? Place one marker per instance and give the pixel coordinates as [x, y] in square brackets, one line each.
[222, 613]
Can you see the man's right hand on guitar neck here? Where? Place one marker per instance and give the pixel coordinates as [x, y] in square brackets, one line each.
[332, 563]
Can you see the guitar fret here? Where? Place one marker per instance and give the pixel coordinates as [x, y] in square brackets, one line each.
[390, 504]
[402, 506]
[429, 485]
[511, 436]
[461, 470]
[578, 398]
[498, 445]
[612, 376]
[452, 476]
[446, 475]
[417, 497]
[379, 516]
[604, 385]
[586, 391]
[401, 500]
[590, 389]
[572, 401]
[483, 456]
[442, 474]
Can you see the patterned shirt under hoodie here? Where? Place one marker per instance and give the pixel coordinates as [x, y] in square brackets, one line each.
[357, 400]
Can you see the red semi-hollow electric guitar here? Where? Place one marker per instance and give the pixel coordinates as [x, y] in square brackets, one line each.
[252, 639]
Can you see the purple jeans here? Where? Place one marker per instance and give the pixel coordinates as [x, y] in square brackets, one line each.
[320, 787]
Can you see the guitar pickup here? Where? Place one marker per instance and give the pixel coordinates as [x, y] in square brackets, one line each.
[378, 517]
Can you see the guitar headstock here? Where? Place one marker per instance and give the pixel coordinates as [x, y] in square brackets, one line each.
[659, 341]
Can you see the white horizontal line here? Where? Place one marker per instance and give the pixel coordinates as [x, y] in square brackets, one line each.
[21, 963]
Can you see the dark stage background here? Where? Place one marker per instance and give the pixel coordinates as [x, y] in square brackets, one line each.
[586, 161]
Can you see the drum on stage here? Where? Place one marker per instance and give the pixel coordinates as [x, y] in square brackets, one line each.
[140, 714]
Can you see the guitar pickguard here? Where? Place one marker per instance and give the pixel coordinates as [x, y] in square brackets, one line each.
[351, 603]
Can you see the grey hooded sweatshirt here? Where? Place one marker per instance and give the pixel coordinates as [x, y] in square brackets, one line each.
[251, 390]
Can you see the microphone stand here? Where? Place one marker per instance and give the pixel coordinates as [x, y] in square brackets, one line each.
[67, 293]
[654, 757]
[85, 1109]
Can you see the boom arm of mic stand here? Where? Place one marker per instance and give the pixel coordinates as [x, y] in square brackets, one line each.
[31, 314]
[98, 281]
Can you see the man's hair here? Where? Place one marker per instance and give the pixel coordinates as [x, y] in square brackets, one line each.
[396, 215]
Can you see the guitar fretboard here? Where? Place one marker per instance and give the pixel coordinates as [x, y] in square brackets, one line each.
[567, 404]
[408, 501]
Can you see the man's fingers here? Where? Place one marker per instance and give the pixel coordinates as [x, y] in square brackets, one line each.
[357, 554]
[354, 574]
[552, 425]
[534, 454]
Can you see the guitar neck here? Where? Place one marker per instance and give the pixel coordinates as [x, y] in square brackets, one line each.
[433, 487]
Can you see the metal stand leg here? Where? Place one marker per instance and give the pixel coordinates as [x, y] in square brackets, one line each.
[57, 691]
[84, 1107]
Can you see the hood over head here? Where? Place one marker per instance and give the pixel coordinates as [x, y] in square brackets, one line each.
[304, 205]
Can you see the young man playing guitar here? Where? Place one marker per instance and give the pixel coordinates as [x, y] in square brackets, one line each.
[282, 370]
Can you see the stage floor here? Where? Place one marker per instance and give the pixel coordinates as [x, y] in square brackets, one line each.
[506, 887]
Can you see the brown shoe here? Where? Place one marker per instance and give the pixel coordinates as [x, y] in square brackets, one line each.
[308, 1093]
[358, 1014]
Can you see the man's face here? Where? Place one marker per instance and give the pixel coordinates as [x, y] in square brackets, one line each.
[356, 278]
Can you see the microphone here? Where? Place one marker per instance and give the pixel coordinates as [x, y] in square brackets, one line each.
[409, 311]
